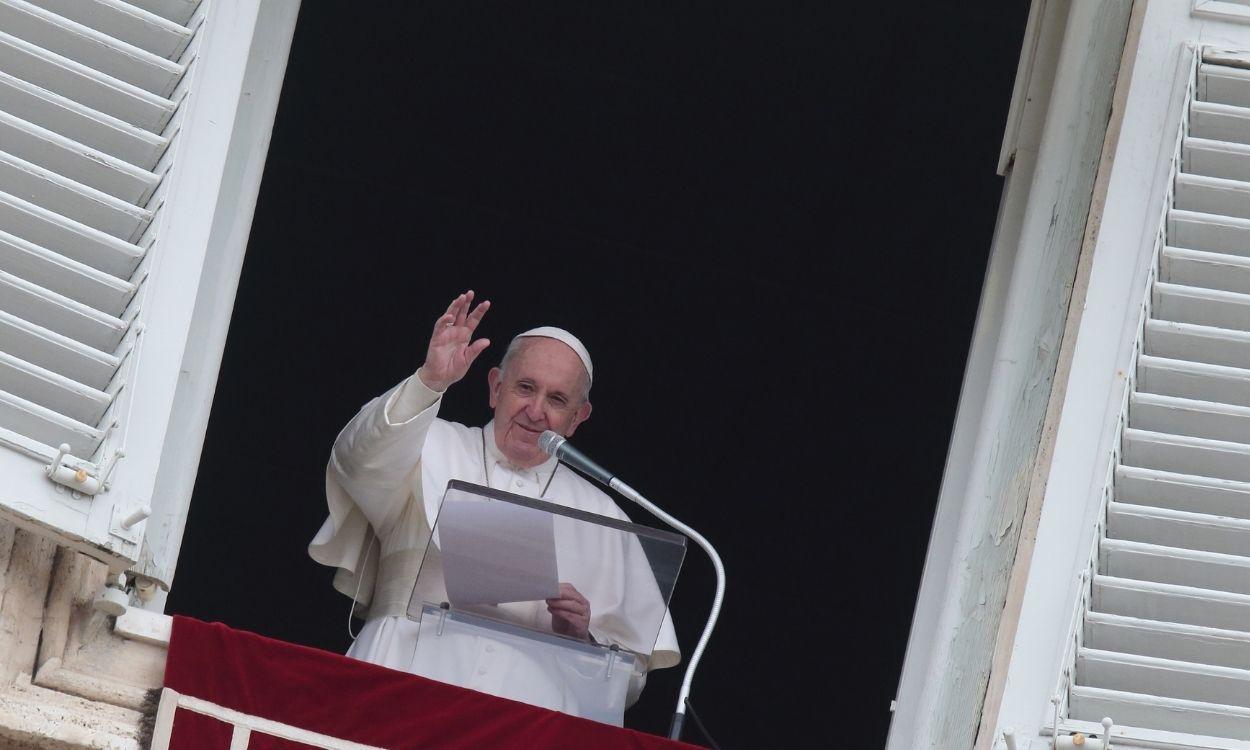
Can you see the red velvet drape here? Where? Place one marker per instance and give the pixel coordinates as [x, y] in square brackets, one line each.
[350, 699]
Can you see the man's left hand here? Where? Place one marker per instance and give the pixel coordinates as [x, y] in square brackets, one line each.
[570, 613]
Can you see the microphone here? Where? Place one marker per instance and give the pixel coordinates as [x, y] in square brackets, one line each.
[554, 444]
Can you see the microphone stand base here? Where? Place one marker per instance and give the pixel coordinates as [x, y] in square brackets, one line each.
[674, 731]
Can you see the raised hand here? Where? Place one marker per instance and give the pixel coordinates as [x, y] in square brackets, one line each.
[452, 350]
[570, 613]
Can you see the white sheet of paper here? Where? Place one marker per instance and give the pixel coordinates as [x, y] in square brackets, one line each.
[496, 552]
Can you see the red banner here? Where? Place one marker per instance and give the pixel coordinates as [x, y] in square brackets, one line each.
[352, 700]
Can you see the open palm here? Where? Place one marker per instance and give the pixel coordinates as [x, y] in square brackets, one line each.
[452, 349]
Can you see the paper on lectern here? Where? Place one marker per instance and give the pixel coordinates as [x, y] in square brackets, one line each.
[494, 553]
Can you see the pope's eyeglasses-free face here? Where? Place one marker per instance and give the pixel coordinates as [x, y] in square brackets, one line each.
[541, 389]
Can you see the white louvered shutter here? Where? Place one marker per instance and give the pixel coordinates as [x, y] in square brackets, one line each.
[1165, 637]
[125, 155]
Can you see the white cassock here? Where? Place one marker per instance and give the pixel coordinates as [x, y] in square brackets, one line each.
[386, 477]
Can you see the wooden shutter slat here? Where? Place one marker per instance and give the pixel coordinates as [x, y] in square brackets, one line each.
[1155, 712]
[78, 162]
[68, 237]
[1172, 415]
[1219, 122]
[178, 11]
[1182, 492]
[47, 426]
[1168, 602]
[1220, 159]
[1182, 454]
[84, 84]
[126, 22]
[1169, 640]
[1195, 230]
[64, 196]
[1196, 380]
[1181, 567]
[1199, 306]
[74, 41]
[52, 391]
[1201, 344]
[1213, 195]
[58, 353]
[80, 124]
[60, 314]
[1167, 678]
[1176, 528]
[55, 272]
[1223, 85]
[1230, 273]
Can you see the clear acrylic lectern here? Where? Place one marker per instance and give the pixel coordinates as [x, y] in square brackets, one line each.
[480, 600]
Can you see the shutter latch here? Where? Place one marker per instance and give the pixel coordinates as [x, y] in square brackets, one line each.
[80, 480]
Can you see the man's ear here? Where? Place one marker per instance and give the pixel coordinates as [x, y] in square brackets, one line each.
[583, 413]
[494, 379]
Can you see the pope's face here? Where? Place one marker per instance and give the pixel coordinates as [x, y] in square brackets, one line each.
[541, 390]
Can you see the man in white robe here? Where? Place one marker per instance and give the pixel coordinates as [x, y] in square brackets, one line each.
[388, 472]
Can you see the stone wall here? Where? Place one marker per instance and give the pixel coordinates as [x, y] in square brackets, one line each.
[70, 676]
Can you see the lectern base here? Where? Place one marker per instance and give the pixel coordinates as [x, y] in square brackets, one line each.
[548, 671]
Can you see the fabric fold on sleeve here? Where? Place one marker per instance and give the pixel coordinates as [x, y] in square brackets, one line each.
[367, 482]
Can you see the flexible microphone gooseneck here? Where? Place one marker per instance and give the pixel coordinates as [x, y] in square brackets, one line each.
[556, 445]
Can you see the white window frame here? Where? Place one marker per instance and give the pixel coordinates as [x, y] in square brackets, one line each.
[218, 157]
[1089, 425]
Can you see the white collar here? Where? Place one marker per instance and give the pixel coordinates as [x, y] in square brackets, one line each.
[540, 473]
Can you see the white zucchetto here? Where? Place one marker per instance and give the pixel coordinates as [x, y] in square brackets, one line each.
[564, 337]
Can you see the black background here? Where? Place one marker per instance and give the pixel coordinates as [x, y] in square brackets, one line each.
[768, 222]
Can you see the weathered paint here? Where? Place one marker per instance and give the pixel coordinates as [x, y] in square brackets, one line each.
[991, 463]
[1028, 530]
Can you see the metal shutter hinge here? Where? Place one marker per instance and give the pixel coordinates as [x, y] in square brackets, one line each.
[81, 481]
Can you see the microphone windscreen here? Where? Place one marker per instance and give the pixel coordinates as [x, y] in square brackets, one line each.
[550, 441]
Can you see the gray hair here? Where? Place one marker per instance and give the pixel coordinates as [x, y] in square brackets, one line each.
[515, 346]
